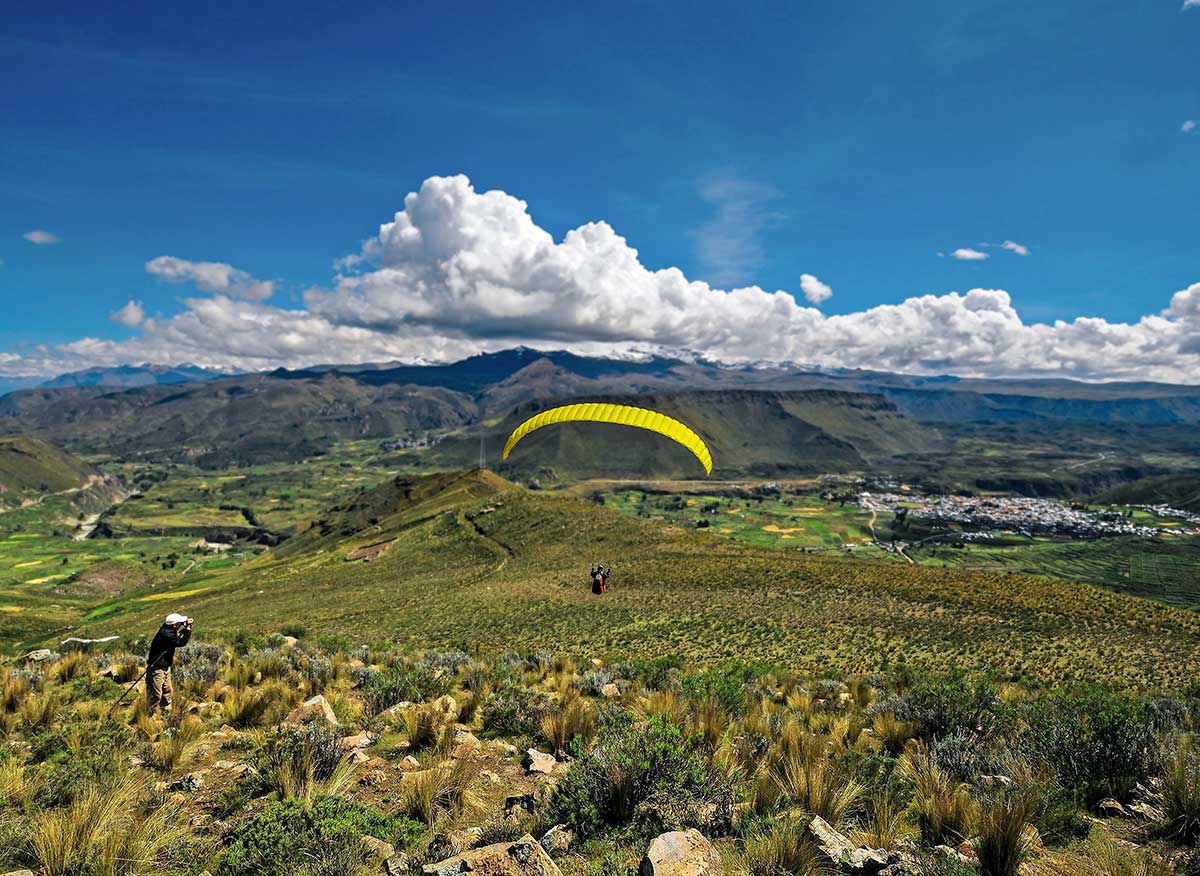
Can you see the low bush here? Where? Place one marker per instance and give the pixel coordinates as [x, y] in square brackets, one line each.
[650, 778]
[403, 683]
[295, 761]
[725, 684]
[513, 710]
[1097, 742]
[285, 833]
[943, 704]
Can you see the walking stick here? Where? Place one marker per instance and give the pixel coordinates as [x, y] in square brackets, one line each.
[133, 686]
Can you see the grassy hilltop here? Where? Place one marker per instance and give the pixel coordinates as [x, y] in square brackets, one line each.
[470, 557]
[30, 467]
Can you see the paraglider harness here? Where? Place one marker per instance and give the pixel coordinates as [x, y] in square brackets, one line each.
[600, 579]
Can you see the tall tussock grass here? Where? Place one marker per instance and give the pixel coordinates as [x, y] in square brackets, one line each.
[1179, 797]
[941, 805]
[110, 830]
[443, 787]
[573, 719]
[1005, 840]
[785, 849]
[809, 775]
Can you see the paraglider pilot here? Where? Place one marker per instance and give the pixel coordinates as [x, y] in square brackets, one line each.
[599, 578]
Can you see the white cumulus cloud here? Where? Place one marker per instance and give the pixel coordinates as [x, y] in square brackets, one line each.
[217, 277]
[40, 237]
[1190, 125]
[458, 271]
[130, 315]
[814, 290]
[1013, 246]
[1191, 4]
[966, 254]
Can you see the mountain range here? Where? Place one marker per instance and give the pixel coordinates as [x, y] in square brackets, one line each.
[769, 420]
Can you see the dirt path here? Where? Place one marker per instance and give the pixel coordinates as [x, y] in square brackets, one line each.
[502, 550]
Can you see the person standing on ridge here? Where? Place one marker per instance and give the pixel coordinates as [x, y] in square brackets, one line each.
[174, 633]
[599, 579]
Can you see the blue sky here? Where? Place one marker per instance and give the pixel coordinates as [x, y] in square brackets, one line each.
[851, 142]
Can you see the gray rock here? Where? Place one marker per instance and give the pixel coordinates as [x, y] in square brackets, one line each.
[376, 849]
[521, 858]
[681, 853]
[557, 840]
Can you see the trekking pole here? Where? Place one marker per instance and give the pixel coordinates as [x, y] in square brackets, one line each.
[133, 686]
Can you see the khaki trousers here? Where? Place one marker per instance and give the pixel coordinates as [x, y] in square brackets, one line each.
[158, 689]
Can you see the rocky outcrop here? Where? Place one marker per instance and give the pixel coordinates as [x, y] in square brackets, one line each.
[524, 857]
[681, 853]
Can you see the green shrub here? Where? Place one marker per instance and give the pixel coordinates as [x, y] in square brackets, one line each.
[403, 683]
[724, 684]
[295, 759]
[1097, 742]
[513, 710]
[649, 778]
[945, 704]
[654, 672]
[285, 833]
[296, 631]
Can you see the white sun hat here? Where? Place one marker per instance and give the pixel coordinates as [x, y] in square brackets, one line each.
[174, 618]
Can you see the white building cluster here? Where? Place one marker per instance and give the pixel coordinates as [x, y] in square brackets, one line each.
[1015, 514]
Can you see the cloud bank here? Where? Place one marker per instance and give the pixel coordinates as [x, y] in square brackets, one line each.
[456, 272]
[40, 237]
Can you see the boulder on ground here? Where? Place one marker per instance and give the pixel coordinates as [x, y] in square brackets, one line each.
[397, 865]
[360, 740]
[538, 762]
[557, 840]
[681, 853]
[375, 849]
[610, 691]
[845, 854]
[410, 763]
[524, 857]
[315, 709]
[1111, 808]
[38, 656]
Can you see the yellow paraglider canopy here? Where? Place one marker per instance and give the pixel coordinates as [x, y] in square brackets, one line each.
[624, 415]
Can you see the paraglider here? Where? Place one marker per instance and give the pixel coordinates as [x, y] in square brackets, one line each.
[600, 576]
[625, 415]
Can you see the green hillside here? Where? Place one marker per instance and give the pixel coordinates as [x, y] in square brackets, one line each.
[759, 433]
[1178, 491]
[443, 560]
[30, 467]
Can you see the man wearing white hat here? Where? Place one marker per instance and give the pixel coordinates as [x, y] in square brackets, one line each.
[174, 633]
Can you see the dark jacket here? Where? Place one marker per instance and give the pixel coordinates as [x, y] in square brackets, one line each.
[162, 648]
